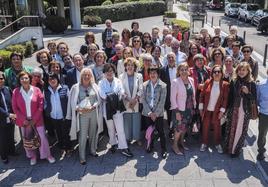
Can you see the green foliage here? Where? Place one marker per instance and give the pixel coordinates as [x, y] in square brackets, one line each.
[56, 24]
[29, 49]
[170, 14]
[16, 48]
[126, 11]
[185, 25]
[107, 2]
[120, 1]
[92, 20]
[5, 55]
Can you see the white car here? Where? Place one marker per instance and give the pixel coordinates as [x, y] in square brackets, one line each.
[231, 9]
[246, 11]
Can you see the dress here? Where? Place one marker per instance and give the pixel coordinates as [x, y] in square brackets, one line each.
[187, 115]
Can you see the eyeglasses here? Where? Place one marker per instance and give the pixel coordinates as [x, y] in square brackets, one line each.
[217, 54]
[24, 78]
[246, 51]
[198, 39]
[1, 78]
[183, 70]
[216, 72]
[87, 94]
[136, 41]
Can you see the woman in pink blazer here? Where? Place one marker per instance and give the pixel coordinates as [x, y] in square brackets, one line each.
[28, 104]
[183, 103]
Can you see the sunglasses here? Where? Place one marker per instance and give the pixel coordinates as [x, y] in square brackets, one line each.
[217, 54]
[246, 51]
[216, 72]
[136, 41]
[198, 39]
[87, 95]
[1, 78]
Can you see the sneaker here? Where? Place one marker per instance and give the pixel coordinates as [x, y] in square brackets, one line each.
[164, 154]
[51, 160]
[219, 149]
[33, 161]
[203, 147]
[127, 153]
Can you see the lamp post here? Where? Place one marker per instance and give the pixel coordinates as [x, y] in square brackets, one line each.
[34, 42]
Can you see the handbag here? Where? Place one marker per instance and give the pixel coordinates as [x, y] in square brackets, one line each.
[33, 142]
[85, 103]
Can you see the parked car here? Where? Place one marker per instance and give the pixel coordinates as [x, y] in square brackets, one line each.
[258, 15]
[231, 9]
[263, 24]
[246, 11]
[216, 4]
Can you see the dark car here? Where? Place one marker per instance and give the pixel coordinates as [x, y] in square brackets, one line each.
[263, 24]
[258, 15]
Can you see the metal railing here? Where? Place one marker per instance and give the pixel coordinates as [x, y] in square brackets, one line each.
[24, 21]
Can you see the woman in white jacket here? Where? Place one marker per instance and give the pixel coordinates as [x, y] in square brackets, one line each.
[132, 84]
[85, 112]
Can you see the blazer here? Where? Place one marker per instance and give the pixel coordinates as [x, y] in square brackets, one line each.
[179, 95]
[37, 106]
[160, 93]
[164, 76]
[70, 79]
[221, 104]
[3, 113]
[137, 89]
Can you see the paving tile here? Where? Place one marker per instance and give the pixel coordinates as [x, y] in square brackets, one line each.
[171, 183]
[186, 171]
[226, 182]
[108, 184]
[159, 172]
[101, 173]
[66, 174]
[130, 173]
[140, 184]
[199, 183]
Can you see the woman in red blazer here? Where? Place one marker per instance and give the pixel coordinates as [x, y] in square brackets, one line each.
[28, 104]
[212, 106]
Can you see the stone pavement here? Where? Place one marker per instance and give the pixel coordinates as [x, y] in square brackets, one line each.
[193, 169]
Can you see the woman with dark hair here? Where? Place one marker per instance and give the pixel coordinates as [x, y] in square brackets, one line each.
[207, 41]
[44, 58]
[217, 57]
[16, 67]
[157, 58]
[135, 29]
[127, 52]
[215, 44]
[7, 118]
[185, 43]
[193, 50]
[55, 67]
[125, 37]
[68, 64]
[52, 48]
[242, 94]
[149, 46]
[247, 51]
[89, 39]
[146, 37]
[212, 106]
[28, 105]
[112, 93]
[62, 49]
[137, 49]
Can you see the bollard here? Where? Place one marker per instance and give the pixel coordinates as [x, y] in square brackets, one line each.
[212, 20]
[265, 55]
[206, 19]
[244, 36]
[219, 22]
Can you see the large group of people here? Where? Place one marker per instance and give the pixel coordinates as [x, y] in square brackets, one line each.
[122, 88]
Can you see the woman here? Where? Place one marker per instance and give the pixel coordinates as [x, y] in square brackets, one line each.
[146, 62]
[127, 52]
[55, 67]
[137, 49]
[89, 39]
[68, 64]
[112, 92]
[185, 43]
[7, 118]
[43, 57]
[100, 59]
[62, 49]
[56, 98]
[212, 106]
[242, 94]
[230, 39]
[146, 37]
[135, 29]
[28, 104]
[149, 46]
[183, 104]
[91, 52]
[166, 47]
[157, 58]
[125, 37]
[84, 111]
[217, 57]
[52, 48]
[207, 41]
[247, 51]
[37, 78]
[132, 84]
[228, 68]
[193, 50]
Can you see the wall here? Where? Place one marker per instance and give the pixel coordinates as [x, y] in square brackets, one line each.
[24, 35]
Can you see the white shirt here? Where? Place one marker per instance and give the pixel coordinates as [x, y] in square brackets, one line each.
[165, 50]
[180, 58]
[56, 110]
[27, 96]
[77, 75]
[172, 73]
[214, 95]
[5, 104]
[152, 93]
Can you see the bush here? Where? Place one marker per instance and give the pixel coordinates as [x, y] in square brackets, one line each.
[16, 48]
[126, 11]
[56, 24]
[107, 2]
[120, 1]
[5, 55]
[170, 14]
[29, 49]
[92, 20]
[185, 25]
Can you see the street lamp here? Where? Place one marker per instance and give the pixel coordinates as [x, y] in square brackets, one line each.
[197, 13]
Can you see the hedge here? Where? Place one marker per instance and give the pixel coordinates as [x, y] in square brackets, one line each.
[185, 25]
[5, 55]
[126, 11]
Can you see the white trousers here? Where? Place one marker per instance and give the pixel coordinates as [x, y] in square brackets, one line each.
[116, 127]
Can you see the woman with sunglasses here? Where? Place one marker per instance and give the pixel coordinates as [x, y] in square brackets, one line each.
[137, 49]
[247, 51]
[146, 37]
[91, 52]
[83, 109]
[241, 95]
[193, 50]
[217, 57]
[212, 106]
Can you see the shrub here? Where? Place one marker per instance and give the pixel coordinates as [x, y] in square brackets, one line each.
[5, 55]
[120, 1]
[16, 48]
[185, 25]
[29, 48]
[92, 20]
[56, 24]
[107, 2]
[126, 11]
[169, 14]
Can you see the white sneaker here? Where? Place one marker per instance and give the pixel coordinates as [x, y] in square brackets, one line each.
[203, 147]
[51, 160]
[219, 148]
[33, 161]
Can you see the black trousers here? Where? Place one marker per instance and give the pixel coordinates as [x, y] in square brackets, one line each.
[7, 145]
[62, 128]
[159, 126]
[263, 128]
[49, 127]
[169, 117]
